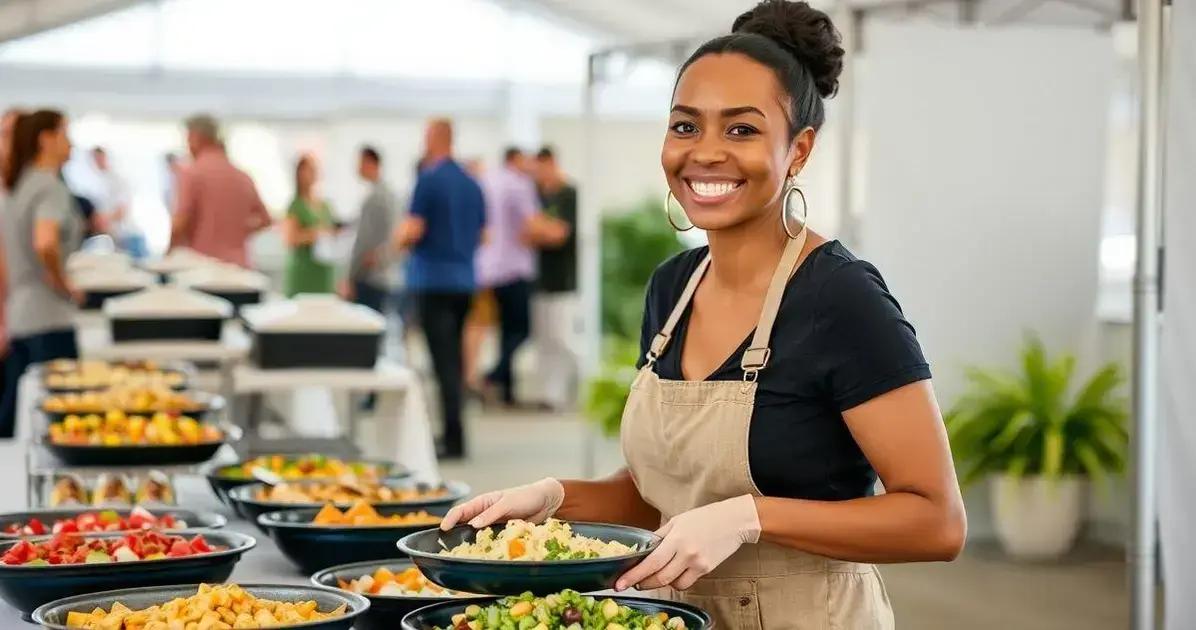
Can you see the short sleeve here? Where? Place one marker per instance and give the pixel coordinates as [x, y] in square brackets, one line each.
[866, 345]
[421, 198]
[648, 323]
[54, 204]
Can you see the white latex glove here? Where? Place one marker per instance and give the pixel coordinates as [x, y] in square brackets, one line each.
[532, 502]
[695, 542]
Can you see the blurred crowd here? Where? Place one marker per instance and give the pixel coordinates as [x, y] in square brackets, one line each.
[470, 252]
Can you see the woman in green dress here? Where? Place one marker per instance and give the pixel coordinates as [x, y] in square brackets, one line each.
[307, 218]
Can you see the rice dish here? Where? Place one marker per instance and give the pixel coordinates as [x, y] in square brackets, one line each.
[524, 541]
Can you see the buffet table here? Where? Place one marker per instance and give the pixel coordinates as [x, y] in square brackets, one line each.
[262, 564]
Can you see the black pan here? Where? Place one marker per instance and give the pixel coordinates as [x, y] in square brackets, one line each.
[512, 577]
[242, 498]
[206, 404]
[25, 588]
[194, 520]
[314, 547]
[441, 615]
[384, 609]
[221, 482]
[53, 615]
[138, 455]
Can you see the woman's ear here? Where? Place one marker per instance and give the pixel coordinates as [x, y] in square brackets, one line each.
[800, 149]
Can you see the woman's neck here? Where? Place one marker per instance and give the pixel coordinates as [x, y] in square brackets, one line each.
[744, 257]
[44, 162]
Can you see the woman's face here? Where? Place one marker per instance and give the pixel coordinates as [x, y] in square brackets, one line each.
[727, 150]
[56, 145]
[307, 174]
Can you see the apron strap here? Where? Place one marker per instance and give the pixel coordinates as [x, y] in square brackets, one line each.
[755, 358]
[661, 340]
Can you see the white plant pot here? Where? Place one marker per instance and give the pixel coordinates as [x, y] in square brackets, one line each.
[1037, 518]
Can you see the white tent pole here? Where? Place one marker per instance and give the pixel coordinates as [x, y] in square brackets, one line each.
[589, 223]
[1146, 316]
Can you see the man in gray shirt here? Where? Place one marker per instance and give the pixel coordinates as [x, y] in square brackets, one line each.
[367, 279]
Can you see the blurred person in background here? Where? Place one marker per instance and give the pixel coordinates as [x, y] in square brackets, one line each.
[217, 207]
[442, 232]
[554, 308]
[308, 218]
[366, 282]
[483, 315]
[779, 379]
[113, 207]
[8, 121]
[506, 263]
[42, 226]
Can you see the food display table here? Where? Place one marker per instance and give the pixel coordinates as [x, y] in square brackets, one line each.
[263, 564]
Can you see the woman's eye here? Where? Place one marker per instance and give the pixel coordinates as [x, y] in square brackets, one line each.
[741, 130]
[683, 127]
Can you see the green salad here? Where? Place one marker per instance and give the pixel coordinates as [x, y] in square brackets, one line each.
[567, 610]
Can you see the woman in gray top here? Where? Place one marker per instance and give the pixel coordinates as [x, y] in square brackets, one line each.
[41, 228]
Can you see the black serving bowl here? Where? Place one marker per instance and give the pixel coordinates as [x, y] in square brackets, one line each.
[139, 454]
[242, 498]
[384, 609]
[441, 615]
[53, 615]
[206, 404]
[194, 520]
[221, 482]
[512, 577]
[315, 547]
[26, 588]
[176, 367]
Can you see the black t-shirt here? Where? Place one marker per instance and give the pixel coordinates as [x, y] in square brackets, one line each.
[558, 266]
[839, 340]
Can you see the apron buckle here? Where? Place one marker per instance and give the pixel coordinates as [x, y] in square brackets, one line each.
[755, 359]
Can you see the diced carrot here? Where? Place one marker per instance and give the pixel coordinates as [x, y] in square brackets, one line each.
[516, 548]
[383, 575]
[362, 510]
[328, 515]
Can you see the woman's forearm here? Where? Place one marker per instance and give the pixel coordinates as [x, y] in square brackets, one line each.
[614, 499]
[893, 527]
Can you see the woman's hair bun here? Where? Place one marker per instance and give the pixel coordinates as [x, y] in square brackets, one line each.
[804, 32]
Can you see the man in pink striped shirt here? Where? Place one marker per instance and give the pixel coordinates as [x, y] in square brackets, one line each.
[217, 207]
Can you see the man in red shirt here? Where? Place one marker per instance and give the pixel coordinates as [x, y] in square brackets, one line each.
[217, 207]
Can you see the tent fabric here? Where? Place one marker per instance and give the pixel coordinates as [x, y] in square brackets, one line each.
[1177, 472]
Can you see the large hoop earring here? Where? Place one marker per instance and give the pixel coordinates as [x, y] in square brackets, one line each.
[668, 213]
[805, 209]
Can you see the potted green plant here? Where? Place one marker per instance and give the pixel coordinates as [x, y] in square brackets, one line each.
[634, 242]
[1038, 442]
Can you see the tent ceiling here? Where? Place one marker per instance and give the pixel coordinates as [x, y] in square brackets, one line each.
[21, 18]
[656, 20]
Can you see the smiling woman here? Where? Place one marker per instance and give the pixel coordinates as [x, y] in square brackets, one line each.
[780, 378]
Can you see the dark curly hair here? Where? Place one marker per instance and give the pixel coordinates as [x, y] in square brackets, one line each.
[799, 43]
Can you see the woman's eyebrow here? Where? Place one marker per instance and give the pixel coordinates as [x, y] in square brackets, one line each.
[725, 113]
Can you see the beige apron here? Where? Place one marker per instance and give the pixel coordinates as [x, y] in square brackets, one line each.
[686, 444]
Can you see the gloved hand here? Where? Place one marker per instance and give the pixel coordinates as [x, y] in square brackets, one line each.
[695, 542]
[533, 502]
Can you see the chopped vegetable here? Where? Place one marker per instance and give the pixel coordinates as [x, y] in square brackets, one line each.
[407, 583]
[73, 548]
[211, 608]
[362, 514]
[567, 610]
[525, 541]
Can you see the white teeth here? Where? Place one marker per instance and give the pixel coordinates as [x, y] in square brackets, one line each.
[712, 189]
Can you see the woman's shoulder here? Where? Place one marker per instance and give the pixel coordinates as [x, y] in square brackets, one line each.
[845, 283]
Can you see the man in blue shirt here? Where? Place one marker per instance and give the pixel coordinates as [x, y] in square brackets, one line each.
[442, 233]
